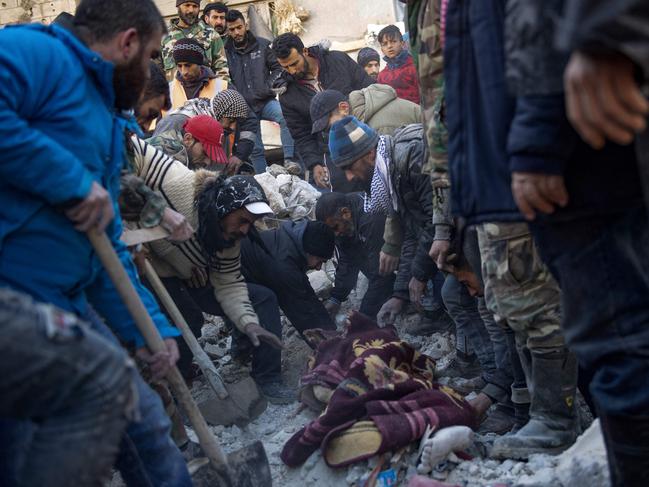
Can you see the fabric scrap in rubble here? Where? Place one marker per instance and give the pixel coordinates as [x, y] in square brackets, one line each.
[383, 397]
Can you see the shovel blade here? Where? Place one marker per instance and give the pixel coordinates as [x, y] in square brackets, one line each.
[244, 404]
[250, 466]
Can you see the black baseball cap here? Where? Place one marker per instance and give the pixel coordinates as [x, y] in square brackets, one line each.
[322, 105]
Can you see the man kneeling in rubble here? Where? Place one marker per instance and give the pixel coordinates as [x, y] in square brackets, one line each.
[280, 261]
[203, 274]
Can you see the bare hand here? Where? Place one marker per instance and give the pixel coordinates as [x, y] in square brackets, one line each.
[603, 99]
[416, 289]
[198, 279]
[538, 192]
[160, 363]
[389, 311]
[233, 166]
[95, 211]
[387, 264]
[439, 252]
[332, 307]
[321, 176]
[257, 334]
[139, 254]
[177, 225]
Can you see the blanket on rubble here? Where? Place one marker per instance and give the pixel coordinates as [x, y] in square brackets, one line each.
[381, 397]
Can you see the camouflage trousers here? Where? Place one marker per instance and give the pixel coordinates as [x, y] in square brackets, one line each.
[519, 288]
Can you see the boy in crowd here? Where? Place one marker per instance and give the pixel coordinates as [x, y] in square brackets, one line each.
[400, 73]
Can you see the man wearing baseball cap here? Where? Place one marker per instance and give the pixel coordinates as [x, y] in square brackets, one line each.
[203, 274]
[197, 143]
[193, 79]
[377, 106]
[203, 142]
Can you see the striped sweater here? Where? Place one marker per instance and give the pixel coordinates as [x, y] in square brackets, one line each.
[179, 186]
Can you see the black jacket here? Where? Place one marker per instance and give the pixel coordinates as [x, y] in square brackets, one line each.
[408, 152]
[283, 270]
[479, 110]
[359, 252]
[253, 70]
[245, 134]
[337, 72]
[541, 139]
[621, 26]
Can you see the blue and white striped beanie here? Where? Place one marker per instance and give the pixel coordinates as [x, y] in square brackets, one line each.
[349, 140]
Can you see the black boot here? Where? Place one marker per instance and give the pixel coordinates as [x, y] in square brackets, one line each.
[627, 447]
[552, 425]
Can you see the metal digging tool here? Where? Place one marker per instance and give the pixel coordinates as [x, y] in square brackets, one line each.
[230, 411]
[247, 467]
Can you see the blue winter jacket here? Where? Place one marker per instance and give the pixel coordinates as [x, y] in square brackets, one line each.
[58, 134]
[479, 112]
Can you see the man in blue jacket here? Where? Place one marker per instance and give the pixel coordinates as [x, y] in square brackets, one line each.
[62, 146]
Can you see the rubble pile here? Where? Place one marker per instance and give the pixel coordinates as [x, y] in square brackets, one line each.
[583, 464]
[289, 196]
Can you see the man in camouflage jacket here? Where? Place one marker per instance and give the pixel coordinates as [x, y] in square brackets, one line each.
[188, 25]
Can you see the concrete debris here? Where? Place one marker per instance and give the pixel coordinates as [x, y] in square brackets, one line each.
[289, 196]
[583, 464]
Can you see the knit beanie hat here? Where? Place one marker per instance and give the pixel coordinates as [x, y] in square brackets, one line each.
[318, 240]
[188, 51]
[366, 55]
[349, 140]
[180, 2]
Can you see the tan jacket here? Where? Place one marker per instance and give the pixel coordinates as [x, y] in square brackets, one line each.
[179, 185]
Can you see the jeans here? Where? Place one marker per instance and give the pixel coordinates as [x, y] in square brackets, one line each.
[467, 312]
[266, 360]
[272, 112]
[74, 384]
[602, 265]
[147, 455]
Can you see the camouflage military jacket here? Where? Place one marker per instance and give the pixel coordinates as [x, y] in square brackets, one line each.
[171, 143]
[137, 202]
[426, 36]
[208, 37]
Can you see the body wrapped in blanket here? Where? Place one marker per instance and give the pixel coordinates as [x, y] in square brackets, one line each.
[379, 394]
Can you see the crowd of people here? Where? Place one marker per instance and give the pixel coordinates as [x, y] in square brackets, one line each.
[492, 175]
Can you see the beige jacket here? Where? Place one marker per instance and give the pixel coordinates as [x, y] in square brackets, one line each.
[179, 186]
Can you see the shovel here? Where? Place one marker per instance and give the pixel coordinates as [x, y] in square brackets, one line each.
[247, 467]
[236, 404]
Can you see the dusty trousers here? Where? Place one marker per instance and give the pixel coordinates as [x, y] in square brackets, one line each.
[602, 264]
[73, 384]
[520, 290]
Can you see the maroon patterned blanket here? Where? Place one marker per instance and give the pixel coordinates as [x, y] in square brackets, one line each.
[381, 397]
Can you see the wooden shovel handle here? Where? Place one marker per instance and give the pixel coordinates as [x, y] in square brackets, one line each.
[201, 357]
[145, 325]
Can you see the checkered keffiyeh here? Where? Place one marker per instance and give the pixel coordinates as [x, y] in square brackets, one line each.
[229, 103]
[381, 199]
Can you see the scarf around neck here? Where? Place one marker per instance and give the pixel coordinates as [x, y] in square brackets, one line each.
[398, 61]
[381, 199]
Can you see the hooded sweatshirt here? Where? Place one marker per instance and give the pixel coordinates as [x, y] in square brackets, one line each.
[284, 271]
[379, 107]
